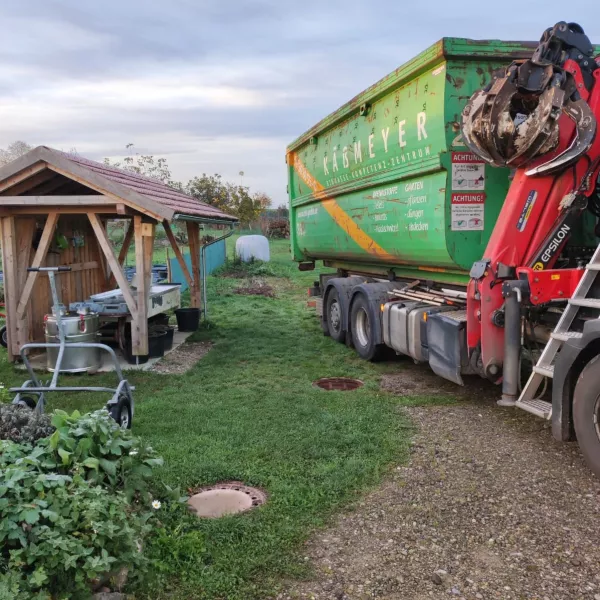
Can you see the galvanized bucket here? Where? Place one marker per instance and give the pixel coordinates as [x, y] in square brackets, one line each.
[77, 328]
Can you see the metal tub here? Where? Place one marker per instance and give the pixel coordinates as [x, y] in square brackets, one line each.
[77, 328]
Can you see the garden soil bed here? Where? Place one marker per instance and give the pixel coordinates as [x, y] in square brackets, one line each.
[489, 506]
[182, 359]
[255, 287]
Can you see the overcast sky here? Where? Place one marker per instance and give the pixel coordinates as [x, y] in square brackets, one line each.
[221, 86]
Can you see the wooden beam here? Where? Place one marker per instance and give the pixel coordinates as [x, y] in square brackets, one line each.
[106, 272]
[9, 263]
[36, 180]
[144, 240]
[123, 253]
[178, 255]
[22, 175]
[25, 229]
[104, 243]
[77, 275]
[193, 231]
[38, 260]
[107, 209]
[82, 266]
[50, 186]
[76, 200]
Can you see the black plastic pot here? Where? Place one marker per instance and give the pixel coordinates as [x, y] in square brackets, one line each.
[156, 344]
[160, 319]
[130, 358]
[188, 319]
[170, 332]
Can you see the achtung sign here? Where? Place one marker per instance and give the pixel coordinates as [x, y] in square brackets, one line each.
[467, 212]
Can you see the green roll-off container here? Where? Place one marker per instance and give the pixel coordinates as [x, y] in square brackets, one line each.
[385, 184]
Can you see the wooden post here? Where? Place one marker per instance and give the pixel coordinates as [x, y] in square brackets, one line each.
[38, 261]
[9, 263]
[113, 263]
[123, 253]
[193, 232]
[144, 245]
[25, 229]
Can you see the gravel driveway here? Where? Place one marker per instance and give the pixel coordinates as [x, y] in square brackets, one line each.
[488, 506]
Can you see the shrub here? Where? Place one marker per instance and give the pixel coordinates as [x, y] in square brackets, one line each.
[74, 507]
[108, 454]
[60, 533]
[20, 424]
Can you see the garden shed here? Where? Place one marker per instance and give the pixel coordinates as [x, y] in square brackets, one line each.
[54, 209]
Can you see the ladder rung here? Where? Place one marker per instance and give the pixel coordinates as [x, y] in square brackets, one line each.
[593, 267]
[545, 371]
[540, 408]
[585, 302]
[564, 336]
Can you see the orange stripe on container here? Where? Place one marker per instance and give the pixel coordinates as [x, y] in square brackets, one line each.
[338, 214]
[433, 269]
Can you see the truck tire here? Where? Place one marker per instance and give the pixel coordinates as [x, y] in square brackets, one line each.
[586, 413]
[334, 316]
[362, 324]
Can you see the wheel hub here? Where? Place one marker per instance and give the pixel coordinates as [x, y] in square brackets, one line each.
[335, 315]
[124, 417]
[363, 328]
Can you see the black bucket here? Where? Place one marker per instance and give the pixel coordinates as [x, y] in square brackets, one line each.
[130, 358]
[168, 331]
[159, 319]
[156, 344]
[188, 319]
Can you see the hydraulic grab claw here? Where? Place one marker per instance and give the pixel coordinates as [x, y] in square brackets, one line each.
[534, 117]
[515, 119]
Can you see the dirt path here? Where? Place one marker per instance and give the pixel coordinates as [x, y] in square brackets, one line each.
[489, 506]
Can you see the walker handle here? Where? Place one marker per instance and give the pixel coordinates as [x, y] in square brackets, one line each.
[46, 269]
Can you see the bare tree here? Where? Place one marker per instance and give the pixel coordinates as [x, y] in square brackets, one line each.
[13, 151]
[147, 165]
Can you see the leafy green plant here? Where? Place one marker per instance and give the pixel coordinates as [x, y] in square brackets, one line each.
[5, 395]
[74, 507]
[104, 453]
[60, 534]
[21, 424]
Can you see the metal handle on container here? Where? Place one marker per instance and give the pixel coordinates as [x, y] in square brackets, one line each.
[46, 269]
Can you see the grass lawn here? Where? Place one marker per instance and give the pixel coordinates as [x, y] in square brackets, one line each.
[248, 411]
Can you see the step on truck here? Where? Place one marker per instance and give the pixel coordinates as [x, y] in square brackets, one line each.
[457, 203]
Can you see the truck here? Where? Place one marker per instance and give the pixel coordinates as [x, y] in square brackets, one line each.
[456, 202]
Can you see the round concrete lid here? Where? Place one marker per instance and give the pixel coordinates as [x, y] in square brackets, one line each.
[219, 502]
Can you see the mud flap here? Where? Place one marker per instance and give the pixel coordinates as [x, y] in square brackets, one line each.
[447, 341]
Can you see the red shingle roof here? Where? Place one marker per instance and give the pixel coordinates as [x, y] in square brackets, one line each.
[181, 203]
[147, 195]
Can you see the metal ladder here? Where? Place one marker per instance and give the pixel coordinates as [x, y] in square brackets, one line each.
[545, 365]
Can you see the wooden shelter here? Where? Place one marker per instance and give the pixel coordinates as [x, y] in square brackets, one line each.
[47, 193]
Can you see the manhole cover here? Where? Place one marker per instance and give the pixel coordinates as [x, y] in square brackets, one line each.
[342, 384]
[225, 499]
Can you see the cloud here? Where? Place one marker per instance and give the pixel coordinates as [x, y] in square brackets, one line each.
[218, 86]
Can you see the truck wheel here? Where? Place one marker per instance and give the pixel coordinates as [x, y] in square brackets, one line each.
[362, 327]
[586, 413]
[335, 317]
[4, 336]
